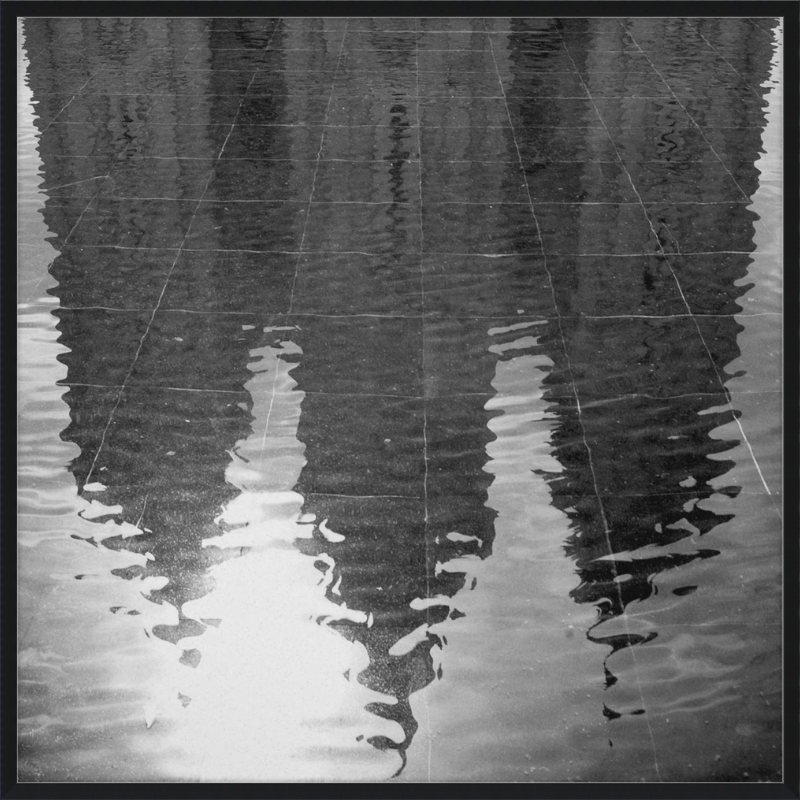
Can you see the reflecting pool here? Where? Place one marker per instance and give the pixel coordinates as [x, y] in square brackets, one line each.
[400, 399]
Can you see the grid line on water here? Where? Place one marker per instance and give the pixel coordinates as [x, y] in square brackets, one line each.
[424, 405]
[410, 126]
[312, 202]
[150, 388]
[435, 316]
[549, 277]
[60, 247]
[275, 95]
[606, 528]
[716, 370]
[488, 395]
[437, 253]
[675, 277]
[702, 339]
[49, 47]
[767, 33]
[63, 108]
[91, 78]
[365, 496]
[685, 111]
[164, 289]
[74, 183]
[272, 71]
[98, 177]
[317, 162]
[199, 39]
[284, 335]
[431, 203]
[744, 80]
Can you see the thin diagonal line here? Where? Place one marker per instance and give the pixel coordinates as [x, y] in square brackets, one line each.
[96, 193]
[606, 529]
[59, 247]
[284, 335]
[164, 287]
[744, 80]
[424, 408]
[680, 288]
[770, 33]
[552, 289]
[422, 301]
[683, 107]
[316, 166]
[49, 47]
[717, 372]
[199, 39]
[61, 111]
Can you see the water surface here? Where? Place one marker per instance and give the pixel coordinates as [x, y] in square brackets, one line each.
[400, 400]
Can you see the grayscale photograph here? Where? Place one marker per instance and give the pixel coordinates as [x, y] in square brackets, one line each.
[399, 400]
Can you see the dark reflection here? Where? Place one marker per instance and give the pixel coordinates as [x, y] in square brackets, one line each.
[394, 454]
[147, 186]
[394, 465]
[157, 399]
[637, 397]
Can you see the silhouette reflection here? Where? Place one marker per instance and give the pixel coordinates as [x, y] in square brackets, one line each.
[637, 385]
[398, 477]
[157, 399]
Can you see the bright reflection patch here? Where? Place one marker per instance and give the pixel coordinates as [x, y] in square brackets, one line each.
[274, 696]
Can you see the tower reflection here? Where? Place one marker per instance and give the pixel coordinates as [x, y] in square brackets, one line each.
[637, 385]
[157, 398]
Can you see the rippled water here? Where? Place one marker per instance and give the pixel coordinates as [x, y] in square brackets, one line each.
[400, 400]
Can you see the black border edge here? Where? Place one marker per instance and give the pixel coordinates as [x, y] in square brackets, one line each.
[789, 10]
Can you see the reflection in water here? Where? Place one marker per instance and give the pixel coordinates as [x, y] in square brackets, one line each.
[157, 446]
[637, 433]
[387, 525]
[268, 458]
